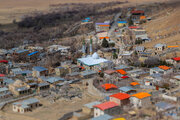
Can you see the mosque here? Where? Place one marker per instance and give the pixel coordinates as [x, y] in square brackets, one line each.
[93, 61]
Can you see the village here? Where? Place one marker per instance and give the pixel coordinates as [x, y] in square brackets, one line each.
[124, 79]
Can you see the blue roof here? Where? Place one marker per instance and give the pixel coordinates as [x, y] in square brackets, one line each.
[88, 72]
[33, 53]
[88, 18]
[85, 20]
[126, 88]
[103, 117]
[164, 105]
[40, 69]
[122, 21]
[3, 89]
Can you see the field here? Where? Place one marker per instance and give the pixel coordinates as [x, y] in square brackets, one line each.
[15, 9]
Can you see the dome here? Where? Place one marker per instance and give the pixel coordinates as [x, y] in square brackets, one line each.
[95, 56]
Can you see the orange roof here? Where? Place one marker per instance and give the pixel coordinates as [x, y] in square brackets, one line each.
[143, 17]
[172, 46]
[103, 37]
[120, 96]
[104, 25]
[164, 67]
[108, 86]
[121, 71]
[134, 83]
[141, 95]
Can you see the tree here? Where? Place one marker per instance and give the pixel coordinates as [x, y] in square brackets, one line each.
[152, 61]
[105, 43]
[115, 56]
[130, 22]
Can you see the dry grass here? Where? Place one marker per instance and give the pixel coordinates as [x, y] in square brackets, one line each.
[167, 23]
[16, 9]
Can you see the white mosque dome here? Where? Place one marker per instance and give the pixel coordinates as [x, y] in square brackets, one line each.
[95, 56]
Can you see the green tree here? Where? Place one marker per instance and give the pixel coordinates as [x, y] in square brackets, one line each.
[105, 43]
[130, 22]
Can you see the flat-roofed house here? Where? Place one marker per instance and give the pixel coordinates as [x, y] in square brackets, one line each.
[120, 98]
[4, 93]
[61, 71]
[43, 87]
[39, 71]
[161, 70]
[26, 105]
[19, 88]
[106, 108]
[88, 108]
[141, 99]
[160, 47]
[166, 108]
[127, 89]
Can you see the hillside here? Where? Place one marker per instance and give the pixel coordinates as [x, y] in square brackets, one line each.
[16, 9]
[165, 28]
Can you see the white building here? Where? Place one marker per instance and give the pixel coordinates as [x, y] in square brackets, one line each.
[161, 70]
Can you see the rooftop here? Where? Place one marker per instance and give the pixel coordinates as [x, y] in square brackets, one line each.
[106, 105]
[92, 60]
[103, 117]
[40, 69]
[108, 86]
[141, 95]
[120, 96]
[126, 88]
[164, 105]
[90, 105]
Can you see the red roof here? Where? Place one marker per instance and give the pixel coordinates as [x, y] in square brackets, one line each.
[176, 58]
[108, 86]
[133, 27]
[2, 75]
[106, 105]
[3, 61]
[137, 11]
[124, 77]
[121, 96]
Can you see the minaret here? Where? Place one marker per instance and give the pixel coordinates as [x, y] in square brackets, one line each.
[84, 48]
[90, 46]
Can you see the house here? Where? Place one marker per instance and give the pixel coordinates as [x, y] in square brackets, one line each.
[135, 84]
[122, 72]
[26, 105]
[140, 99]
[109, 72]
[103, 117]
[102, 34]
[4, 93]
[160, 47]
[88, 74]
[127, 89]
[15, 71]
[176, 61]
[124, 67]
[161, 70]
[122, 23]
[19, 88]
[102, 27]
[21, 53]
[136, 14]
[120, 98]
[43, 87]
[61, 71]
[51, 80]
[88, 108]
[72, 68]
[58, 48]
[39, 71]
[92, 62]
[106, 108]
[109, 86]
[166, 108]
[139, 49]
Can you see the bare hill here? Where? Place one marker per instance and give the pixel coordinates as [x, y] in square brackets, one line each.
[16, 9]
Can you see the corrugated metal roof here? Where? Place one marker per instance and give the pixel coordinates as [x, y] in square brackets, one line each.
[90, 105]
[126, 88]
[40, 69]
[33, 53]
